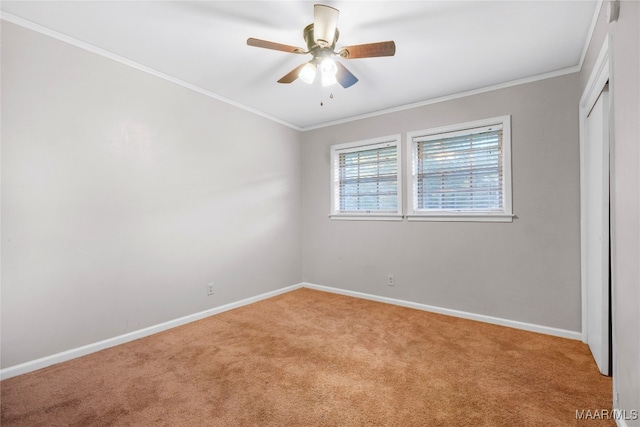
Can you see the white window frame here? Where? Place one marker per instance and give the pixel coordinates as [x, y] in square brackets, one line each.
[369, 144]
[506, 215]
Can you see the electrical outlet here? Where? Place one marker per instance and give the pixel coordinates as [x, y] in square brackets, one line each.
[209, 288]
[390, 280]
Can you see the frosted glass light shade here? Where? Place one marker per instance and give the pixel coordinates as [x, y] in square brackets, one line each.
[328, 66]
[307, 73]
[328, 79]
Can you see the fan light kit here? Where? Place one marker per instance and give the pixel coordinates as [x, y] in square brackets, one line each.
[321, 38]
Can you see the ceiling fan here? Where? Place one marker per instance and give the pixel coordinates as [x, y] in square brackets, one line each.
[321, 37]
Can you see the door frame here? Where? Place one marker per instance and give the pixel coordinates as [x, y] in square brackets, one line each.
[601, 74]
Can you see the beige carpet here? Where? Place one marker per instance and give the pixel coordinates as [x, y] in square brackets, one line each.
[310, 358]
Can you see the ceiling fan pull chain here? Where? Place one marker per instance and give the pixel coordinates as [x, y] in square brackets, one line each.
[321, 101]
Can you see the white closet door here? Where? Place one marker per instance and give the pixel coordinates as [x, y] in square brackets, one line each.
[597, 230]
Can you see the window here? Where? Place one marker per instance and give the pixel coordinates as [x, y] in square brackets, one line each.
[365, 179]
[461, 172]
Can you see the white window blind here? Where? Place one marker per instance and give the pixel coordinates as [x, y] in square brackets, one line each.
[366, 178]
[460, 171]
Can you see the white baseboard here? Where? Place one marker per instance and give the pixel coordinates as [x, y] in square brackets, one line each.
[456, 313]
[43, 362]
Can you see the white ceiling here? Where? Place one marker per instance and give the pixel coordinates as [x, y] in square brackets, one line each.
[443, 48]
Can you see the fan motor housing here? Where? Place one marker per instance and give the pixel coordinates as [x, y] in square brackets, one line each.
[315, 48]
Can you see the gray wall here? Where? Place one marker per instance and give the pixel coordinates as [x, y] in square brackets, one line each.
[625, 95]
[527, 270]
[123, 195]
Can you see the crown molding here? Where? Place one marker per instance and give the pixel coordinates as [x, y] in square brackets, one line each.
[102, 52]
[125, 61]
[525, 80]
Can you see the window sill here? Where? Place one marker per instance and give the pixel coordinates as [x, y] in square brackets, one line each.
[366, 217]
[462, 217]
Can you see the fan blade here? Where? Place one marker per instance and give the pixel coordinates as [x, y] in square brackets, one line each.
[291, 75]
[344, 76]
[369, 50]
[325, 21]
[274, 46]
